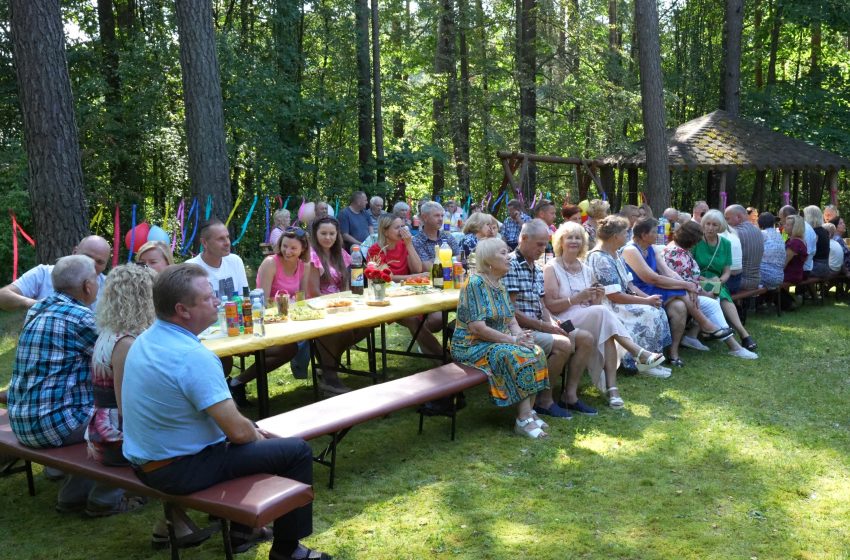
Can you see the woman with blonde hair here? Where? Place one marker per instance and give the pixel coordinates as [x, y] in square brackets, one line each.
[596, 210]
[820, 263]
[477, 227]
[156, 255]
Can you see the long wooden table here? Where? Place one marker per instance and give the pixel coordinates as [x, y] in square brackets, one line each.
[289, 332]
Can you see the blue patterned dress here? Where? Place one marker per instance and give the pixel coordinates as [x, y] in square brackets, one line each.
[646, 324]
[514, 372]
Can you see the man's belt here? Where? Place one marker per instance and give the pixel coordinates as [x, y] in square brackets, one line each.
[151, 466]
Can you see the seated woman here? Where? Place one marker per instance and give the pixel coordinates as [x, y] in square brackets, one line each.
[773, 261]
[795, 256]
[282, 220]
[678, 258]
[640, 313]
[395, 249]
[488, 337]
[840, 232]
[155, 255]
[570, 293]
[820, 264]
[836, 253]
[713, 254]
[286, 271]
[596, 210]
[125, 309]
[653, 277]
[477, 227]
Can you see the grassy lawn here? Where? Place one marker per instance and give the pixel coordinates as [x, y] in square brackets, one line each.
[726, 459]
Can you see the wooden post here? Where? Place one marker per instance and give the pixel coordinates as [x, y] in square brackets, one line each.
[723, 201]
[832, 181]
[786, 187]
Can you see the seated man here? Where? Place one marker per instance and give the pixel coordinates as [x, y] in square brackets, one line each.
[513, 223]
[35, 284]
[50, 397]
[752, 246]
[182, 431]
[524, 283]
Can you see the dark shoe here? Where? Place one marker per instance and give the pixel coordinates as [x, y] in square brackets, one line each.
[719, 334]
[126, 505]
[62, 507]
[579, 407]
[554, 410]
[300, 553]
[159, 537]
[240, 542]
[749, 343]
[53, 475]
[239, 395]
[676, 362]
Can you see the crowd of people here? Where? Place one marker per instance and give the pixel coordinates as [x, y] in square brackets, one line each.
[115, 359]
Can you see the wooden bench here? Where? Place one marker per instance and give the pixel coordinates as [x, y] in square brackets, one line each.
[337, 415]
[254, 500]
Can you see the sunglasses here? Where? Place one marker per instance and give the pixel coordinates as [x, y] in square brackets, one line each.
[296, 232]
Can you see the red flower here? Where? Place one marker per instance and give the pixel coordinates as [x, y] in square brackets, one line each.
[386, 276]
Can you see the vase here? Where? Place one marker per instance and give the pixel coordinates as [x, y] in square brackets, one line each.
[379, 291]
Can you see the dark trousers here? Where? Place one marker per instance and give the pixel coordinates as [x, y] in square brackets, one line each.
[287, 457]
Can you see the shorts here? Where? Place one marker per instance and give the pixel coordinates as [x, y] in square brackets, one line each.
[544, 341]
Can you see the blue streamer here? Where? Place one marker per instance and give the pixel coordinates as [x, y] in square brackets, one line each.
[604, 195]
[336, 208]
[209, 207]
[245, 223]
[437, 198]
[196, 210]
[268, 231]
[467, 205]
[132, 236]
[496, 202]
[286, 201]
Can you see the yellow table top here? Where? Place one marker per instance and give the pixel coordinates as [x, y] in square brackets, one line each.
[363, 316]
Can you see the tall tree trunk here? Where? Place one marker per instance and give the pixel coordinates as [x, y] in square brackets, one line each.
[289, 61]
[376, 90]
[757, 35]
[484, 108]
[730, 89]
[652, 103]
[462, 116]
[444, 68]
[814, 65]
[55, 175]
[527, 69]
[364, 92]
[209, 170]
[774, 44]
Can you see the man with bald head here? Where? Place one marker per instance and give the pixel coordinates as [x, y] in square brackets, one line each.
[752, 246]
[36, 283]
[700, 208]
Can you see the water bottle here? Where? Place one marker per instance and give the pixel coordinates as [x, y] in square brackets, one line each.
[659, 235]
[257, 311]
[222, 318]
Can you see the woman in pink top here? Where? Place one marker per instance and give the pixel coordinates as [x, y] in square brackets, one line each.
[287, 270]
[328, 258]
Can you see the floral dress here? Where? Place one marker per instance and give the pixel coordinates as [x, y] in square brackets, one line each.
[105, 433]
[646, 324]
[514, 372]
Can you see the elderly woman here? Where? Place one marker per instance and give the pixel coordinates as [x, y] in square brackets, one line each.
[640, 313]
[571, 213]
[479, 226]
[488, 337]
[645, 211]
[282, 220]
[820, 264]
[653, 277]
[596, 210]
[772, 267]
[713, 254]
[678, 258]
[571, 294]
[156, 255]
[836, 253]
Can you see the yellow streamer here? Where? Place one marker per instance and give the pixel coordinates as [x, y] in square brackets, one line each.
[97, 218]
[235, 206]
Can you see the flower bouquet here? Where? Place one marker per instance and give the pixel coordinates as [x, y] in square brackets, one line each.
[379, 275]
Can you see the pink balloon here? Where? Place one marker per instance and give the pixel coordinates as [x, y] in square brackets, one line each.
[140, 237]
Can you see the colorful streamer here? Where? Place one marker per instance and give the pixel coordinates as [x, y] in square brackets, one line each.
[178, 224]
[16, 228]
[247, 219]
[268, 230]
[194, 209]
[132, 236]
[285, 202]
[209, 207]
[233, 210]
[723, 196]
[786, 196]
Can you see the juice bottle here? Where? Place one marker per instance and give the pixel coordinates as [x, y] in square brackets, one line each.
[237, 299]
[247, 313]
[231, 313]
[356, 268]
[445, 256]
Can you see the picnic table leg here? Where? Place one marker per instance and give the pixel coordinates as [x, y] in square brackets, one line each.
[384, 351]
[262, 383]
[314, 366]
[446, 338]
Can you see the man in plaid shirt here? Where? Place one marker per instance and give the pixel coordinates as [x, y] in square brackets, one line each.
[50, 396]
[511, 228]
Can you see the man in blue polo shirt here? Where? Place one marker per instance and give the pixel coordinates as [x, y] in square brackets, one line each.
[182, 430]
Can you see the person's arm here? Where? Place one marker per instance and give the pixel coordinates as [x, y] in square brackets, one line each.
[727, 272]
[551, 287]
[534, 324]
[635, 261]
[623, 298]
[119, 357]
[789, 254]
[11, 299]
[414, 262]
[265, 276]
[236, 427]
[313, 277]
[306, 280]
[481, 331]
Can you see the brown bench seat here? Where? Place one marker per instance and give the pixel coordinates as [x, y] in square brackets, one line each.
[254, 500]
[337, 415]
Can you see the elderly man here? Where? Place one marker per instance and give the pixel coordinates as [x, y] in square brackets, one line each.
[353, 221]
[545, 210]
[182, 431]
[376, 208]
[456, 215]
[50, 396]
[672, 216]
[402, 210]
[513, 224]
[36, 284]
[752, 246]
[226, 271]
[321, 210]
[830, 212]
[428, 241]
[811, 238]
[700, 208]
[524, 283]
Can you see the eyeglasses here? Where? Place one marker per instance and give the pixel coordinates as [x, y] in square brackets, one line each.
[141, 264]
[296, 232]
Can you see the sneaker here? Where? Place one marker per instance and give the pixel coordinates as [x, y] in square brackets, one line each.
[579, 407]
[693, 344]
[744, 354]
[658, 371]
[237, 392]
[554, 410]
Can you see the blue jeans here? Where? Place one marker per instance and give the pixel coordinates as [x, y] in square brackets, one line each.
[287, 457]
[76, 489]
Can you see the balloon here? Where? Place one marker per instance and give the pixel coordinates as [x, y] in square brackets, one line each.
[139, 238]
[156, 233]
[307, 212]
[583, 205]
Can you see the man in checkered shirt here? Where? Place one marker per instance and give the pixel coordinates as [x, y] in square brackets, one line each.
[513, 223]
[50, 396]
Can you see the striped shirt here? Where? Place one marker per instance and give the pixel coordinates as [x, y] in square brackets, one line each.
[525, 279]
[51, 392]
[752, 250]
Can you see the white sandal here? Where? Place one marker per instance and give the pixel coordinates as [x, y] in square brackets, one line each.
[529, 428]
[652, 360]
[539, 421]
[615, 401]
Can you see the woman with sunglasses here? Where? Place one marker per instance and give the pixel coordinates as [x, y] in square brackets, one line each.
[288, 269]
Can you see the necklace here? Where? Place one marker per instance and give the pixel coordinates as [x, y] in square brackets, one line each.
[569, 274]
[574, 270]
[489, 281]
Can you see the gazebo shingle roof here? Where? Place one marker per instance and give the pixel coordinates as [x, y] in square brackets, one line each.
[719, 141]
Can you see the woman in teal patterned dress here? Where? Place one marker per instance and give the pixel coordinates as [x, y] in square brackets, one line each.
[487, 337]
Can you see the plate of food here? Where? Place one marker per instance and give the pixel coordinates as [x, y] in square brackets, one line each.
[417, 281]
[340, 306]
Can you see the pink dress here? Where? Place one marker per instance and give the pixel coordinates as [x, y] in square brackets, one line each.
[283, 283]
[598, 320]
[105, 432]
[336, 281]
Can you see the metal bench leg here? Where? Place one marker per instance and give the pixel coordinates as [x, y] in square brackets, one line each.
[225, 534]
[455, 400]
[421, 422]
[30, 480]
[172, 535]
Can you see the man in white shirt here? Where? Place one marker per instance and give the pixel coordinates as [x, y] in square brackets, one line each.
[225, 270]
[36, 284]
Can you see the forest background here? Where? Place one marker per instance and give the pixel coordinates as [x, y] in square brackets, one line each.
[405, 99]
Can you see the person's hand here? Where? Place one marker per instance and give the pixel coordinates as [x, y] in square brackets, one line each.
[585, 295]
[551, 328]
[405, 235]
[525, 339]
[654, 301]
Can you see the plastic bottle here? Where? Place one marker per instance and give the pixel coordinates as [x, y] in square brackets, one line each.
[356, 269]
[471, 265]
[459, 274]
[445, 256]
[659, 232]
[237, 299]
[257, 311]
[231, 312]
[447, 222]
[247, 314]
[222, 318]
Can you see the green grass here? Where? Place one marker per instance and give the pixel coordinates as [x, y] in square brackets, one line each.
[726, 459]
